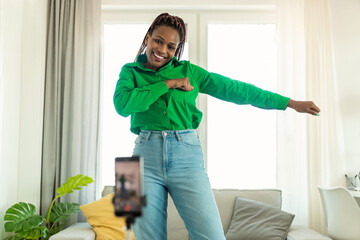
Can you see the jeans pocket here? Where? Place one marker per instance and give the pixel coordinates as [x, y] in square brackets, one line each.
[140, 140]
[191, 141]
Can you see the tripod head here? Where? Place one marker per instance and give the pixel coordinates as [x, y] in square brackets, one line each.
[128, 198]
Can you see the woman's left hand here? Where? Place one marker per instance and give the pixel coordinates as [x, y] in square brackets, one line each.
[304, 107]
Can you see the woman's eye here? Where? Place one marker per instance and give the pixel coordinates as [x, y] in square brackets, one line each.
[171, 48]
[157, 41]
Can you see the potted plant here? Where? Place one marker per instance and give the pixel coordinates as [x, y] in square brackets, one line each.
[22, 220]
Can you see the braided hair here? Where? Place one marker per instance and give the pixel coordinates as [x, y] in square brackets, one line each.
[171, 21]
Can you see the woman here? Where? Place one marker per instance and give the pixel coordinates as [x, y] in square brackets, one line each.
[159, 92]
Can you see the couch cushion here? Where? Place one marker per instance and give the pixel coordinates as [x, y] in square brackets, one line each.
[303, 233]
[225, 199]
[77, 231]
[100, 215]
[257, 220]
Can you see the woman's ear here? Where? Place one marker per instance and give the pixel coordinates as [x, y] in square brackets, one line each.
[147, 39]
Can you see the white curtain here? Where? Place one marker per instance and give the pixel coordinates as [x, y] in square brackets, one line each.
[291, 127]
[326, 155]
[311, 149]
[72, 89]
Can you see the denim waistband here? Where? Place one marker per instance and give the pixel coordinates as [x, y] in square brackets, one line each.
[177, 133]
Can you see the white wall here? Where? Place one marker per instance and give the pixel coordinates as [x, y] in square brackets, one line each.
[186, 4]
[346, 39]
[22, 64]
[11, 17]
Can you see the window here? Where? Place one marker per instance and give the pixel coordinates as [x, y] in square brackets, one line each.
[242, 139]
[116, 138]
[239, 141]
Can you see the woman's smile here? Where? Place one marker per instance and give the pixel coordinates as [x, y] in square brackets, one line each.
[158, 58]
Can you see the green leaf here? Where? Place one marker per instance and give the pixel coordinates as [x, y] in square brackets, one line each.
[14, 237]
[46, 234]
[21, 217]
[74, 183]
[33, 233]
[57, 229]
[61, 211]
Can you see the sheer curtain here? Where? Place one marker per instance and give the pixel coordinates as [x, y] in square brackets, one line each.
[311, 149]
[326, 155]
[291, 126]
[71, 110]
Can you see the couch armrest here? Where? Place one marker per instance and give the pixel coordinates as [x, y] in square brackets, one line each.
[304, 233]
[77, 231]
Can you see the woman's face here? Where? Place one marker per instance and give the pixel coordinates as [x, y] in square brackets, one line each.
[161, 46]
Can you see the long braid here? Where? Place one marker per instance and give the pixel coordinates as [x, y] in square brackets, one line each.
[171, 21]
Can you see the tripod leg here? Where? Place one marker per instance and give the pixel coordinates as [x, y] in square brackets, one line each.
[129, 221]
[128, 234]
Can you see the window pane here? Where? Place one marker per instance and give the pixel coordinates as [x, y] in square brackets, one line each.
[242, 139]
[121, 44]
[116, 139]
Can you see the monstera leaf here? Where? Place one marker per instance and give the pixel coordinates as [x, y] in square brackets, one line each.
[57, 229]
[14, 237]
[21, 217]
[34, 233]
[61, 211]
[22, 220]
[74, 183]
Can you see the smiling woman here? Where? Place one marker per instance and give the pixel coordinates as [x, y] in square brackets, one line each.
[146, 90]
[169, 165]
[161, 46]
[166, 39]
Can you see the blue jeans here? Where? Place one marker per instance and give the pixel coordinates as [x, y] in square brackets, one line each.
[173, 163]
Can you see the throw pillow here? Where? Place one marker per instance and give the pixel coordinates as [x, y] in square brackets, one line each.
[256, 220]
[100, 215]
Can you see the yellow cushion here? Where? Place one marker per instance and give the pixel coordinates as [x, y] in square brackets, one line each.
[100, 215]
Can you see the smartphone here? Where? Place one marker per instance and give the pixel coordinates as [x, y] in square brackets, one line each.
[128, 198]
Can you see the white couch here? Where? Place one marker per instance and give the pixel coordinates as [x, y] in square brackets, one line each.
[225, 200]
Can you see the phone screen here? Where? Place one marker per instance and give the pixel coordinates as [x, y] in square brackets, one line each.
[128, 182]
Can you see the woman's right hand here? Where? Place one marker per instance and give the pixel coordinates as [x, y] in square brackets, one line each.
[304, 107]
[179, 83]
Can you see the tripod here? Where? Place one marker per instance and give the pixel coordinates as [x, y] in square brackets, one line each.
[129, 221]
